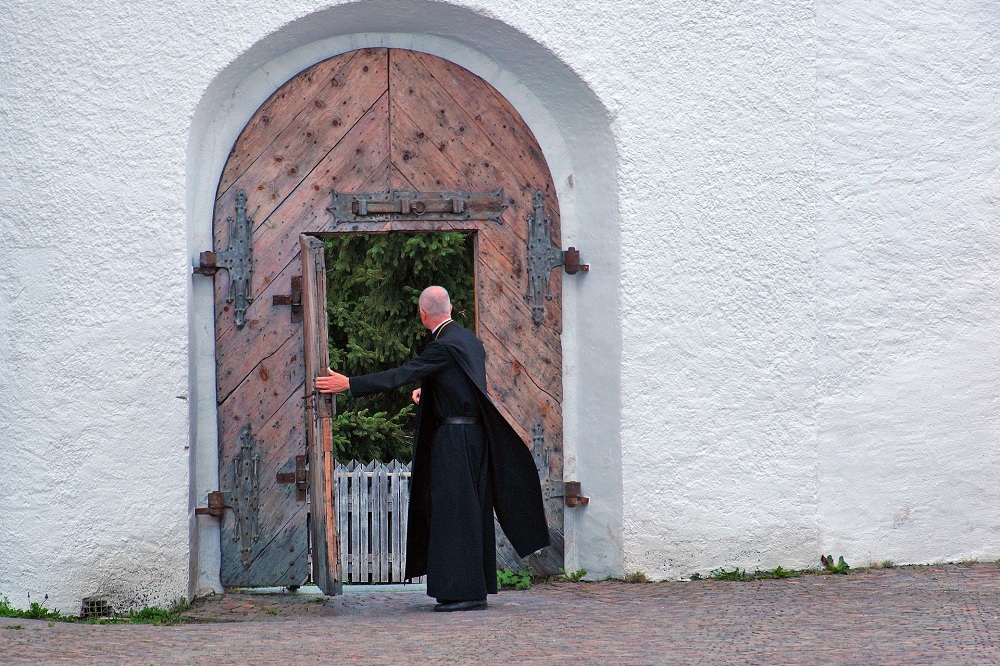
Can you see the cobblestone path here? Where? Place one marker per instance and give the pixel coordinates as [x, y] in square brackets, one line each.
[948, 614]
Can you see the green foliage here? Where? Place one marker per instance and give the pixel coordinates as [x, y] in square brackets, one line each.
[574, 577]
[636, 577]
[736, 574]
[518, 580]
[373, 283]
[778, 572]
[363, 436]
[35, 611]
[840, 567]
[160, 616]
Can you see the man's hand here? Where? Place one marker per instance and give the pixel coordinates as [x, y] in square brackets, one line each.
[332, 382]
[416, 397]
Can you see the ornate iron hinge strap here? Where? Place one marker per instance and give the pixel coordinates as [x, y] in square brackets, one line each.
[237, 259]
[538, 450]
[417, 206]
[245, 499]
[543, 256]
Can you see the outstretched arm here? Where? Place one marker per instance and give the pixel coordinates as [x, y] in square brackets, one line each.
[434, 357]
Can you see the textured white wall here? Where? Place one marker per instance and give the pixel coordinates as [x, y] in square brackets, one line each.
[807, 332]
[717, 144]
[93, 492]
[909, 261]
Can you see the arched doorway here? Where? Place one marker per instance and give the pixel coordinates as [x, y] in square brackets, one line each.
[352, 145]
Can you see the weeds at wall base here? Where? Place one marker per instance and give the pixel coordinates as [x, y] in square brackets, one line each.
[157, 616]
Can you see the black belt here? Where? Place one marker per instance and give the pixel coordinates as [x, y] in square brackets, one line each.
[460, 420]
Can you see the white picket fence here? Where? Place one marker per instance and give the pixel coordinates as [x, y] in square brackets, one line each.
[372, 501]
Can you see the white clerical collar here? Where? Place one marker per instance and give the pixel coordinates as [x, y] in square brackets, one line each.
[440, 326]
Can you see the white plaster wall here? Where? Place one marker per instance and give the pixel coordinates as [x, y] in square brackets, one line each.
[93, 280]
[908, 314]
[718, 322]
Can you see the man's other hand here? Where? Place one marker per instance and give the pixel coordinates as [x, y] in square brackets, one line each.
[332, 382]
[416, 396]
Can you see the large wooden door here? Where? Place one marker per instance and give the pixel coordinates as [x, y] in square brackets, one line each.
[376, 122]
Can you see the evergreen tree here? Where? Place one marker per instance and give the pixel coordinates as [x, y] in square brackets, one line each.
[373, 284]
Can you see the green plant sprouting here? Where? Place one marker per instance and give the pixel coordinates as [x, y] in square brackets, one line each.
[507, 578]
[838, 567]
[573, 577]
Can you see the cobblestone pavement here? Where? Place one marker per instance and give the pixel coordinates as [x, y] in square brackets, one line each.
[947, 614]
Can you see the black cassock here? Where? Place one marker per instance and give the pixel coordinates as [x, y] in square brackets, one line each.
[463, 472]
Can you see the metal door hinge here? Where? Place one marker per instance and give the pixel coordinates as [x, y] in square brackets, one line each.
[543, 256]
[216, 504]
[298, 477]
[244, 500]
[572, 496]
[293, 299]
[237, 259]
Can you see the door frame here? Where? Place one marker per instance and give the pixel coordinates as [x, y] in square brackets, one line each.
[572, 127]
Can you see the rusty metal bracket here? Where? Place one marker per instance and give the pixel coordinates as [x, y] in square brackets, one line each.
[216, 504]
[298, 477]
[543, 256]
[571, 261]
[237, 259]
[572, 494]
[293, 299]
[417, 206]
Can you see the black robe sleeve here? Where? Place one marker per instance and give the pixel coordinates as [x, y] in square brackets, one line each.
[434, 357]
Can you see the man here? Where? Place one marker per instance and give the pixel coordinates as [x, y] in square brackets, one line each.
[467, 462]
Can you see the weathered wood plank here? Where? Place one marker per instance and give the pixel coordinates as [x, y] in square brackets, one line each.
[340, 488]
[356, 563]
[404, 511]
[268, 327]
[395, 535]
[380, 516]
[266, 386]
[508, 319]
[293, 153]
[278, 112]
[326, 562]
[487, 108]
[517, 397]
[425, 114]
[303, 206]
[344, 168]
[433, 156]
[291, 569]
[281, 439]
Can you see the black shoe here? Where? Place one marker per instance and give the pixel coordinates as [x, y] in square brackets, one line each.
[450, 606]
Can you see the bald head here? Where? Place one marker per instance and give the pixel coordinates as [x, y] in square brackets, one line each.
[435, 306]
